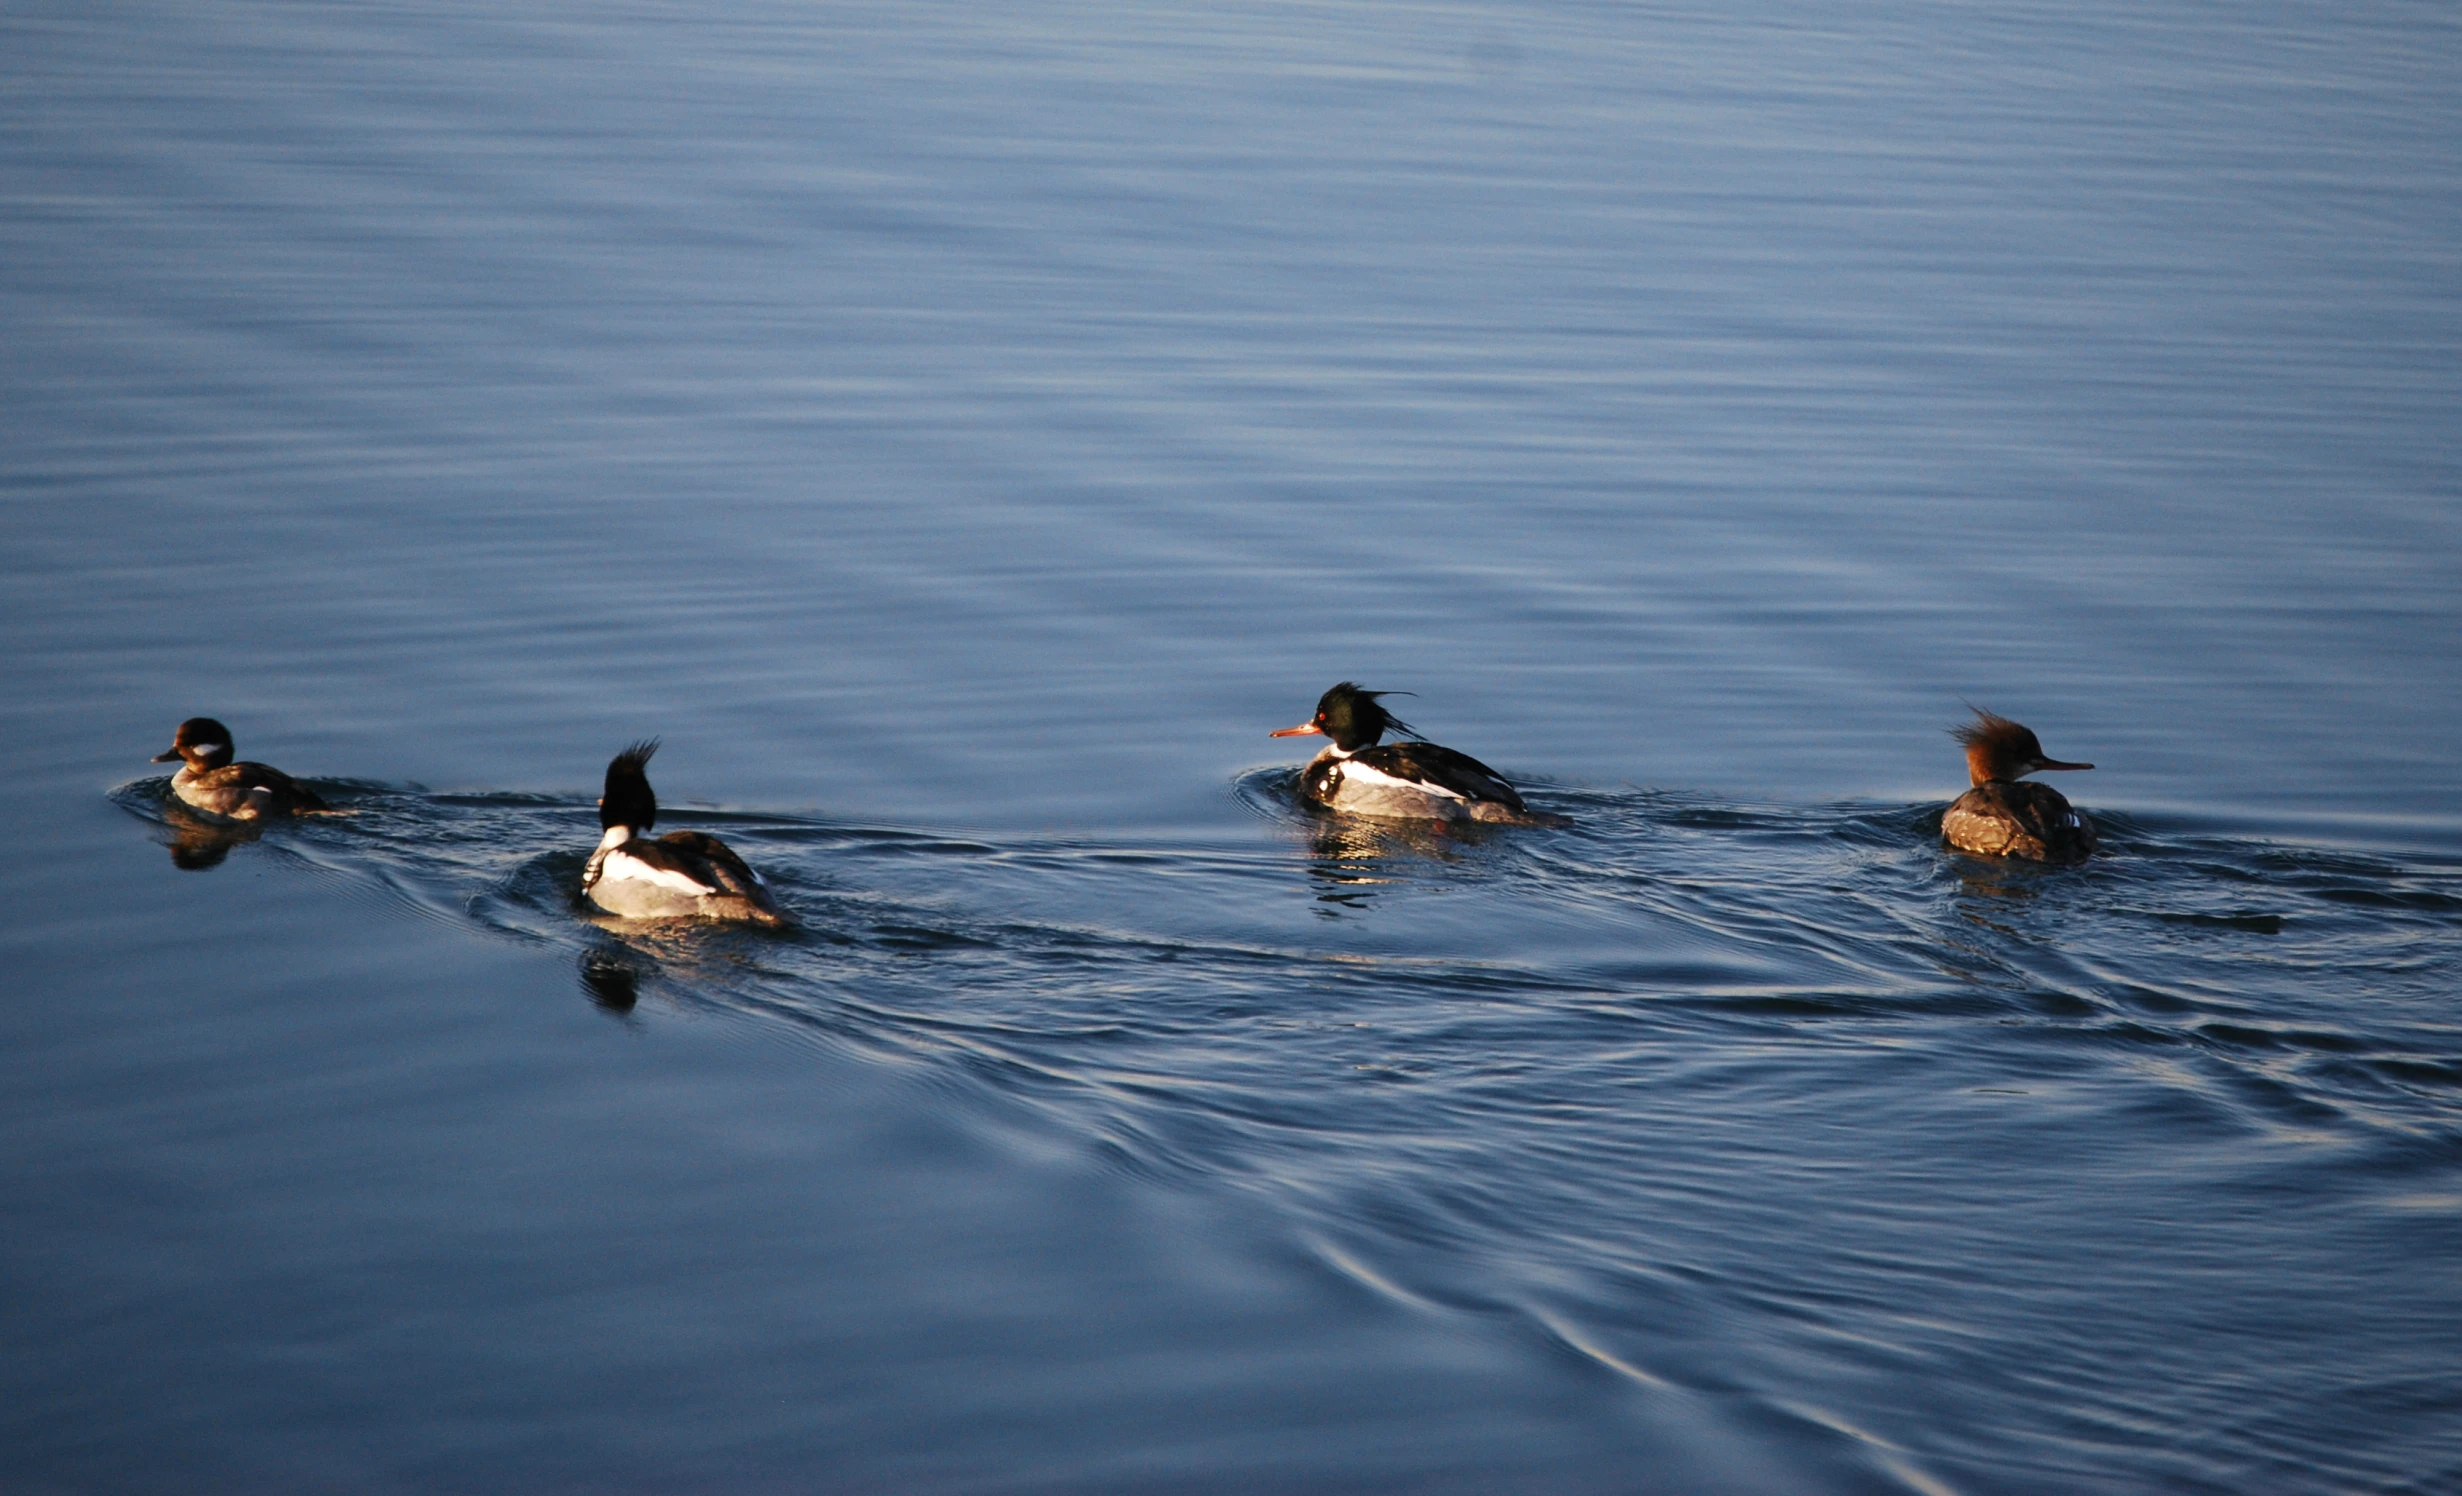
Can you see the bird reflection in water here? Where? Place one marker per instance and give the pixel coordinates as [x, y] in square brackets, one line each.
[612, 981]
[198, 843]
[631, 953]
[1353, 854]
[2001, 882]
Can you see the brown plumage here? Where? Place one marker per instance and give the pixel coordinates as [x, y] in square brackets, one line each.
[211, 782]
[2004, 817]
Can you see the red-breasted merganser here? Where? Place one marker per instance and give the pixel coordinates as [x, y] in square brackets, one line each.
[209, 781]
[682, 875]
[1412, 780]
[2003, 816]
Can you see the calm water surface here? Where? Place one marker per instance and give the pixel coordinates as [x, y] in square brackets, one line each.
[963, 433]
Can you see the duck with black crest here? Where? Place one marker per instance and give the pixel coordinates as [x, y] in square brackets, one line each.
[1360, 774]
[682, 875]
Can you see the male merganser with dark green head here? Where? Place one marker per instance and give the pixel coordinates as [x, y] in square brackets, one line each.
[2002, 816]
[1409, 780]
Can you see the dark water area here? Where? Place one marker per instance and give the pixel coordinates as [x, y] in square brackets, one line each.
[962, 435]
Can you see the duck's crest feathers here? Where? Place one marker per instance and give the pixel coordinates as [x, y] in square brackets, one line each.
[1991, 728]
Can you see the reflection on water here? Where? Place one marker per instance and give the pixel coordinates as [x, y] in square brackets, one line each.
[1352, 853]
[197, 842]
[612, 980]
[1677, 1041]
[1851, 907]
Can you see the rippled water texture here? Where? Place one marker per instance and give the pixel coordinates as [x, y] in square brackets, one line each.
[962, 434]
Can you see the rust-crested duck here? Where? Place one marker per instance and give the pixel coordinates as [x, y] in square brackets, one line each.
[2004, 816]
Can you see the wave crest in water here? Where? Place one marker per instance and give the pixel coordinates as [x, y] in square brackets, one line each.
[1740, 1099]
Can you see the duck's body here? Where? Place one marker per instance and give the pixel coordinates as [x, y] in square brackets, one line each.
[1415, 781]
[212, 782]
[1401, 781]
[2018, 819]
[2004, 816]
[682, 875]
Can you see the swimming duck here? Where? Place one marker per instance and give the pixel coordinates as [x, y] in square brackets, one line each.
[209, 781]
[2004, 817]
[682, 875]
[1409, 780]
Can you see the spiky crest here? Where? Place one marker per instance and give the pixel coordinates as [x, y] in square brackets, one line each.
[629, 801]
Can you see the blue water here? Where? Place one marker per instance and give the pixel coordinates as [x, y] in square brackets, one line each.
[963, 433]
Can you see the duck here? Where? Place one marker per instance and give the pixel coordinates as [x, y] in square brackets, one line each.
[1414, 780]
[682, 875]
[2004, 816]
[211, 782]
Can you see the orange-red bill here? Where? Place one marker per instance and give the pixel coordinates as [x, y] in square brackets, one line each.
[2053, 763]
[1303, 730]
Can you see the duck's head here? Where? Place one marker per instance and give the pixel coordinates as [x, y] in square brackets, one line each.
[628, 802]
[1351, 717]
[1997, 748]
[203, 742]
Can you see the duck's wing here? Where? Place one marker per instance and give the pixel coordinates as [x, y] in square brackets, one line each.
[301, 797]
[2042, 810]
[707, 858]
[259, 788]
[1431, 766]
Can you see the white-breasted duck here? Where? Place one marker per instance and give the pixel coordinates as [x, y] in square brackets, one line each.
[210, 781]
[682, 875]
[1407, 780]
[2003, 816]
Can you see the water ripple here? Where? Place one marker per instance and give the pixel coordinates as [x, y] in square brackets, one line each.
[1600, 1079]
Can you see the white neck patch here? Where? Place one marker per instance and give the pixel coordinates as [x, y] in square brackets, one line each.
[616, 836]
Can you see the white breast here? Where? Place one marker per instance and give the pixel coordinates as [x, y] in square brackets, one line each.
[624, 865]
[1366, 777]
